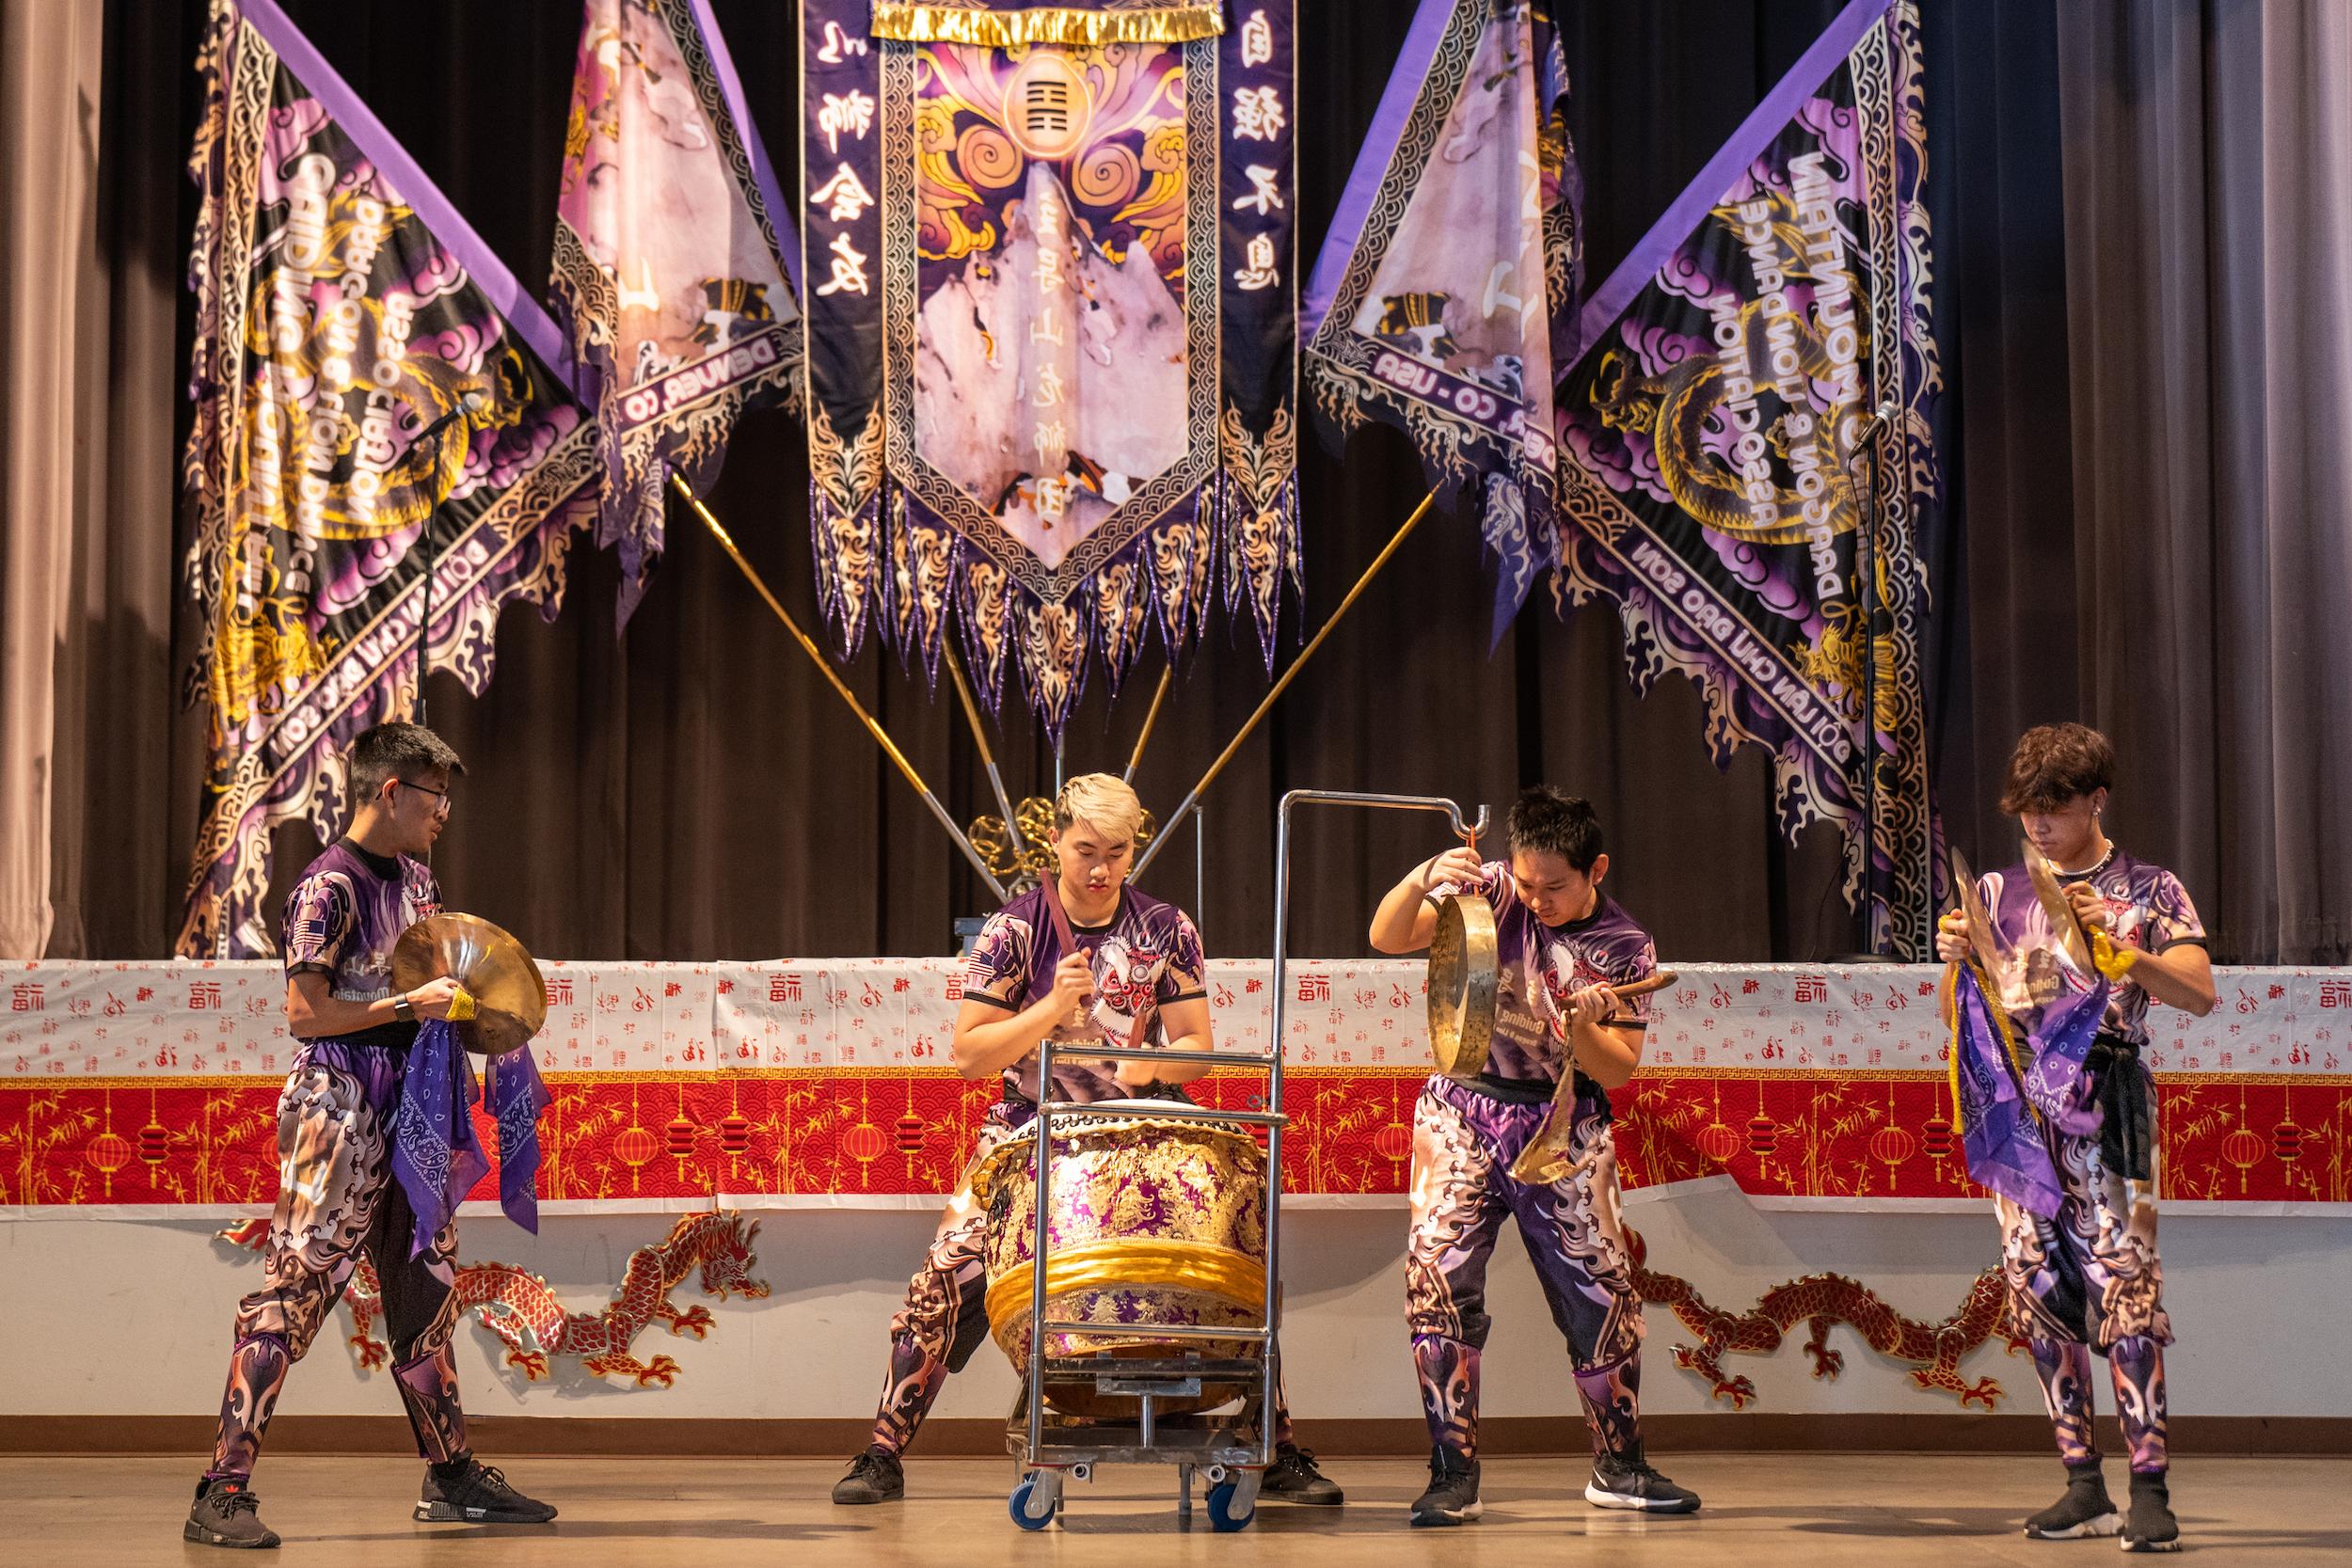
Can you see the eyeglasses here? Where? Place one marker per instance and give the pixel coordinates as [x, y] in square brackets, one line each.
[442, 796]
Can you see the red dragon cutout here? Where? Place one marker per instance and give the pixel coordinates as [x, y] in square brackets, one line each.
[520, 1310]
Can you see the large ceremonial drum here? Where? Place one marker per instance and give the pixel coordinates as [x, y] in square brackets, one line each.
[1153, 1221]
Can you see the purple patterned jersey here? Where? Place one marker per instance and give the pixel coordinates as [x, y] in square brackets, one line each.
[2147, 909]
[1542, 966]
[349, 908]
[1147, 957]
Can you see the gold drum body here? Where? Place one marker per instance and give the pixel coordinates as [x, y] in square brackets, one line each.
[1154, 1221]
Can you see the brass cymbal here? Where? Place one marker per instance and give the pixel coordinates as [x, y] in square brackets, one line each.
[1549, 1155]
[510, 996]
[2073, 940]
[1463, 979]
[1983, 936]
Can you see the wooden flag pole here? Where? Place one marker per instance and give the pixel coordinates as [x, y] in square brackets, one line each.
[1151, 717]
[1167, 829]
[979, 736]
[808, 646]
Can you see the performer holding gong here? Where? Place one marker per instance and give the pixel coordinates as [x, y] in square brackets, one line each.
[339, 1193]
[1080, 956]
[2102, 935]
[1560, 944]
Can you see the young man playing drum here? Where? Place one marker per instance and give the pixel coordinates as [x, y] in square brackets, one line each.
[1561, 944]
[2088, 1281]
[1127, 956]
[337, 1195]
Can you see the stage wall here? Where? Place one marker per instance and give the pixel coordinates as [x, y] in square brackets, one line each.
[1789, 1122]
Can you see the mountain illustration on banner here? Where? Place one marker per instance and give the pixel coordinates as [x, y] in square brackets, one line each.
[673, 278]
[1445, 300]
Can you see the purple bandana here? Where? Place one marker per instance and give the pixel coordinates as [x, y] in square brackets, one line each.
[437, 1154]
[2003, 1146]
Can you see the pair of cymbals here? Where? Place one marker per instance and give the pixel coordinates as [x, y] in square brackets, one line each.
[2065, 925]
[510, 996]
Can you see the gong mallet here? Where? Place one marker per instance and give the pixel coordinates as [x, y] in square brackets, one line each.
[1546, 1158]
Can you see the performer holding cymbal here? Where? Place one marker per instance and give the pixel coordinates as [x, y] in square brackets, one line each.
[2086, 1280]
[337, 1191]
[1561, 944]
[1082, 955]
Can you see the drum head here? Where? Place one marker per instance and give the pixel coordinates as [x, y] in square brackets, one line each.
[1463, 978]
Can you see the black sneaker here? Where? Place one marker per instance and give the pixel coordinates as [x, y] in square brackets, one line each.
[1453, 1495]
[875, 1477]
[2086, 1511]
[1626, 1480]
[478, 1496]
[2150, 1527]
[1294, 1478]
[225, 1514]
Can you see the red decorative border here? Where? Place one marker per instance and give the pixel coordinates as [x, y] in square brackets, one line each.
[907, 1131]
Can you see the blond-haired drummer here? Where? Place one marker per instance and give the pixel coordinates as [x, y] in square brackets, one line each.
[1082, 957]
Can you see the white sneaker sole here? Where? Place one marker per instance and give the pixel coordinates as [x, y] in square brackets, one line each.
[1602, 1497]
[1449, 1515]
[2105, 1524]
[2130, 1544]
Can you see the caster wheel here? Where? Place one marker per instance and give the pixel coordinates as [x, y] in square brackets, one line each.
[1032, 1501]
[1224, 1514]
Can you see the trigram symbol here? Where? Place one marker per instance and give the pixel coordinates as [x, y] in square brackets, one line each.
[1046, 107]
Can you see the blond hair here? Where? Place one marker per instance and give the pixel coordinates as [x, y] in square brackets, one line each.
[1103, 803]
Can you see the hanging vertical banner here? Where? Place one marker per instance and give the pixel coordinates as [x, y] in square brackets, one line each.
[1445, 300]
[1051, 315]
[677, 296]
[1714, 429]
[344, 307]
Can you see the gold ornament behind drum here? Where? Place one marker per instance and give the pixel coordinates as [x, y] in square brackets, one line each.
[510, 996]
[1463, 980]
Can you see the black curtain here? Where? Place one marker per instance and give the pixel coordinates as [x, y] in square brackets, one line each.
[694, 789]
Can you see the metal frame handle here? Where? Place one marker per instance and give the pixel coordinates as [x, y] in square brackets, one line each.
[1453, 813]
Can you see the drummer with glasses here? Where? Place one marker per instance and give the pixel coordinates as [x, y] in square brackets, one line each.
[1083, 957]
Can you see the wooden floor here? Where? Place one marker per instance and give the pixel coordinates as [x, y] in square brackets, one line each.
[1763, 1510]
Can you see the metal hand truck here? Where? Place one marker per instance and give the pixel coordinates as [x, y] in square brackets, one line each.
[1233, 1451]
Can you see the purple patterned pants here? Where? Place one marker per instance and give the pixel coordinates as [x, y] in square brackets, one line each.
[1463, 1145]
[2090, 1281]
[336, 1200]
[944, 1316]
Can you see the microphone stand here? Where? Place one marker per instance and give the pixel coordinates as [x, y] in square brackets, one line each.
[1861, 473]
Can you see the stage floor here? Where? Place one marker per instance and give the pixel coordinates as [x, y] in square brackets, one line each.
[1820, 1511]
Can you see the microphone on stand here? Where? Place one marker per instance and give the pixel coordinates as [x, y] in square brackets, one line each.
[473, 402]
[1876, 421]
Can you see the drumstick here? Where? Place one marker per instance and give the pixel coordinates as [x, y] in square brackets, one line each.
[1658, 981]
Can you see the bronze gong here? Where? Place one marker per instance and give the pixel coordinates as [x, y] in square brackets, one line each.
[510, 997]
[1463, 978]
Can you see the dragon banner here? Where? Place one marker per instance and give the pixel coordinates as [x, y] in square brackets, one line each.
[1050, 308]
[678, 298]
[1445, 300]
[1717, 425]
[342, 308]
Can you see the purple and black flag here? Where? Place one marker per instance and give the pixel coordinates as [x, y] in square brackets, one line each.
[342, 308]
[674, 261]
[1050, 314]
[1445, 300]
[1716, 431]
